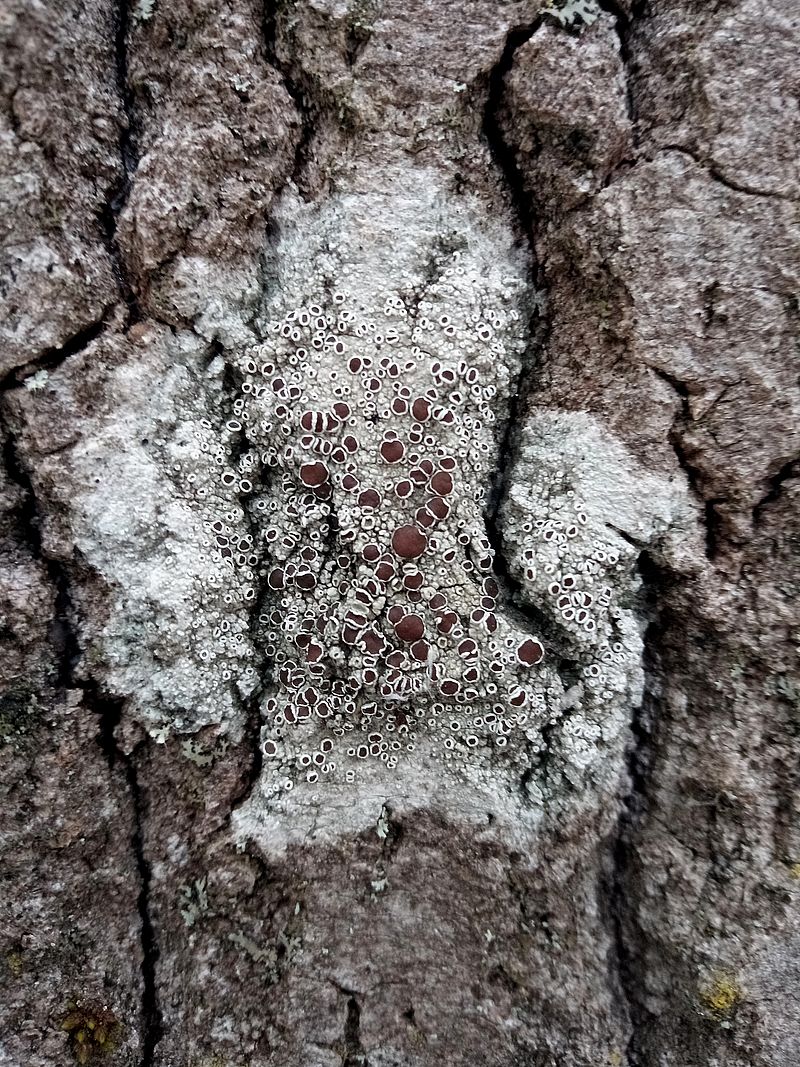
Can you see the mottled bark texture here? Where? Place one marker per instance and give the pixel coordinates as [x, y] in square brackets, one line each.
[399, 533]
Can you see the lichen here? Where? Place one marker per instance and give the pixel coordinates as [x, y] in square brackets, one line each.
[569, 12]
[93, 1028]
[19, 711]
[202, 755]
[144, 10]
[721, 994]
[15, 963]
[274, 955]
[194, 901]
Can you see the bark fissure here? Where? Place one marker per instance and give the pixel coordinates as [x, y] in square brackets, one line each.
[505, 160]
[712, 169]
[623, 26]
[251, 703]
[503, 154]
[540, 326]
[52, 358]
[65, 643]
[776, 483]
[109, 715]
[694, 475]
[620, 889]
[62, 635]
[353, 1054]
[129, 162]
[298, 93]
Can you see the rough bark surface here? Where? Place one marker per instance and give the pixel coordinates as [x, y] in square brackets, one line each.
[399, 528]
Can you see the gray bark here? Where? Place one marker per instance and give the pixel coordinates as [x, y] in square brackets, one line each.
[439, 707]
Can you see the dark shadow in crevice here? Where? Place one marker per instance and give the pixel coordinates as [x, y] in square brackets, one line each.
[109, 710]
[620, 888]
[120, 191]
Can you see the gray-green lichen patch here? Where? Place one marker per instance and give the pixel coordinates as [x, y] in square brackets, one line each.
[134, 441]
[569, 12]
[578, 514]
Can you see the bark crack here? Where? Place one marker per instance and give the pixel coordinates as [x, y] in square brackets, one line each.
[52, 358]
[623, 26]
[619, 889]
[298, 93]
[694, 475]
[539, 326]
[251, 703]
[129, 162]
[776, 483]
[62, 636]
[353, 1054]
[714, 172]
[109, 714]
[65, 643]
[502, 152]
[505, 160]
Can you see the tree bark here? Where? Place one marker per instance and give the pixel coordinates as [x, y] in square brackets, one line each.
[399, 533]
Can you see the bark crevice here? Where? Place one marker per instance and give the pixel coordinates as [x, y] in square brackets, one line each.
[787, 472]
[109, 715]
[620, 890]
[623, 26]
[297, 91]
[694, 475]
[249, 704]
[65, 643]
[62, 635]
[353, 1054]
[712, 169]
[119, 193]
[52, 358]
[505, 160]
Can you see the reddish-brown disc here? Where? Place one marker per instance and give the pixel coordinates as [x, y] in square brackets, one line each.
[530, 652]
[438, 507]
[392, 451]
[370, 498]
[374, 641]
[410, 628]
[313, 474]
[442, 483]
[276, 579]
[409, 542]
[421, 409]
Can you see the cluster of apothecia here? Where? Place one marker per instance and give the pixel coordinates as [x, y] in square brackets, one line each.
[371, 440]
